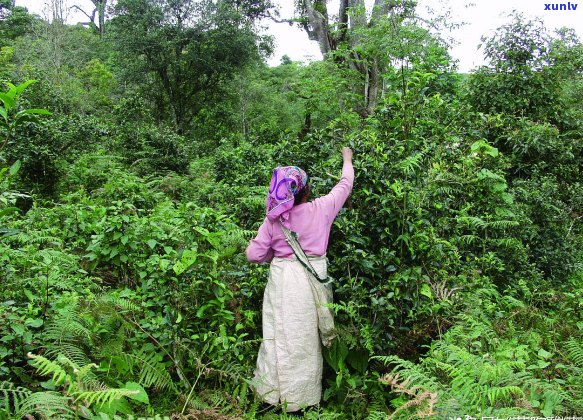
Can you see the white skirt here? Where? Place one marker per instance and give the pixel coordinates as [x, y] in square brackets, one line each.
[289, 364]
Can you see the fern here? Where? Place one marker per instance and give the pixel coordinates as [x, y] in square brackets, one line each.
[12, 397]
[414, 372]
[503, 224]
[468, 239]
[48, 367]
[505, 394]
[79, 385]
[376, 415]
[103, 396]
[574, 375]
[152, 371]
[113, 305]
[423, 400]
[575, 352]
[67, 327]
[70, 351]
[47, 404]
[474, 222]
[411, 163]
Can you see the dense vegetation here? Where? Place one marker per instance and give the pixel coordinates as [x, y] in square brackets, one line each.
[124, 214]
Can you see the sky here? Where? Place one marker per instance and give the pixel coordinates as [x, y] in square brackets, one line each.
[481, 18]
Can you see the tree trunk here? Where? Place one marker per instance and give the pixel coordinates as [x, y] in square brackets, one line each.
[373, 87]
[352, 16]
[307, 126]
[101, 13]
[317, 28]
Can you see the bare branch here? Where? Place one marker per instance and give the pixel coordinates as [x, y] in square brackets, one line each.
[276, 19]
[92, 17]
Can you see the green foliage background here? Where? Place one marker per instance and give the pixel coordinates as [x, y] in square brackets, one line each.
[124, 216]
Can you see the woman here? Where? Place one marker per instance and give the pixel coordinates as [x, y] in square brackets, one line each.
[289, 364]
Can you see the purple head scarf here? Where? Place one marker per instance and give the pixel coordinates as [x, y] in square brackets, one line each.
[286, 182]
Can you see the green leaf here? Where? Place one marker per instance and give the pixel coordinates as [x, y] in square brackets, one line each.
[29, 295]
[14, 168]
[23, 86]
[188, 258]
[34, 111]
[18, 328]
[9, 210]
[201, 310]
[34, 323]
[544, 354]
[426, 290]
[141, 396]
[483, 146]
[152, 243]
[8, 101]
[120, 364]
[20, 119]
[336, 354]
[358, 359]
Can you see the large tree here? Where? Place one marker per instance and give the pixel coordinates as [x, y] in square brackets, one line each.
[180, 51]
[345, 31]
[97, 16]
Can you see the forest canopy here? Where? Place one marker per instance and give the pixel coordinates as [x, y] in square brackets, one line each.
[135, 156]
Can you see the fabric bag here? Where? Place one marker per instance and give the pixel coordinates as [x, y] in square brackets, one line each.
[321, 289]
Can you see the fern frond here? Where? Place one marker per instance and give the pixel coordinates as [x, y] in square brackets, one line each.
[107, 302]
[421, 398]
[70, 351]
[575, 352]
[12, 396]
[468, 239]
[67, 327]
[103, 396]
[46, 367]
[87, 380]
[47, 404]
[376, 415]
[503, 224]
[506, 394]
[442, 292]
[473, 222]
[414, 372]
[152, 371]
[411, 163]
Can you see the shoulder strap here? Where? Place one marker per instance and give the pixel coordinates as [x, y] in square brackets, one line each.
[292, 240]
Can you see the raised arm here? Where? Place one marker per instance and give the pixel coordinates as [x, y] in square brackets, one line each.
[334, 200]
[259, 249]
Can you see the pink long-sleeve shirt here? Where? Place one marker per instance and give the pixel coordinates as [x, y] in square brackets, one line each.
[311, 221]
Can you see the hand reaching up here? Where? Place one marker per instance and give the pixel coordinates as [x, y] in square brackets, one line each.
[347, 154]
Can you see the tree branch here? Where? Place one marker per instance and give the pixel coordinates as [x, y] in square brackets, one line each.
[276, 19]
[92, 17]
